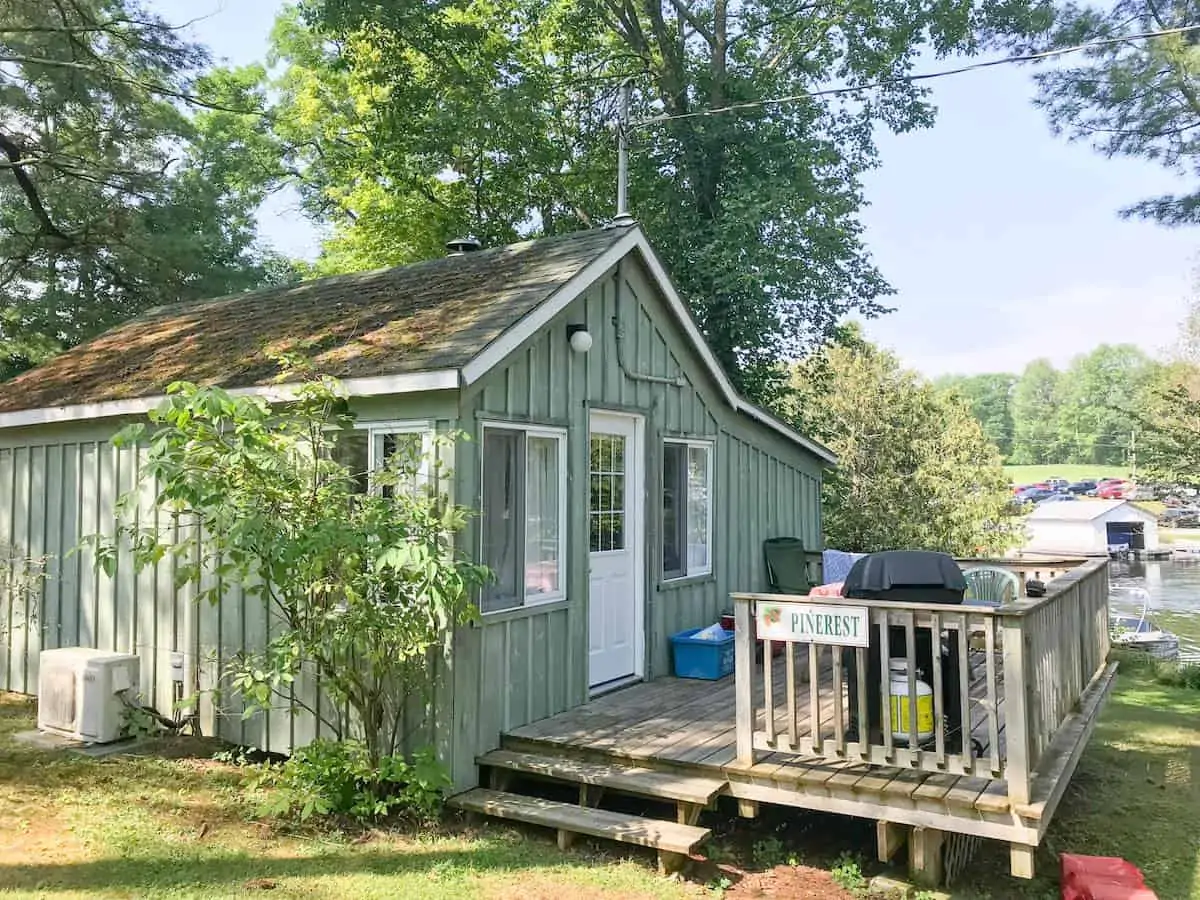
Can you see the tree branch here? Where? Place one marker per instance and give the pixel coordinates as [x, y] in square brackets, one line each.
[29, 189]
[689, 16]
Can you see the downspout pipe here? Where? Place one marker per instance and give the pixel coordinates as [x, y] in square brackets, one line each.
[678, 381]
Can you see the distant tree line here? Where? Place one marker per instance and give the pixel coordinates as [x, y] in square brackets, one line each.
[1088, 413]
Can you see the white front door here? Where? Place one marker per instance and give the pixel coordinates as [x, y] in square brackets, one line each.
[616, 536]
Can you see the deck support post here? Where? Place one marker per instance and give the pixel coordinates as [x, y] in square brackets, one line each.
[747, 809]
[925, 856]
[565, 839]
[1021, 860]
[669, 862]
[889, 838]
[689, 813]
[590, 794]
[744, 680]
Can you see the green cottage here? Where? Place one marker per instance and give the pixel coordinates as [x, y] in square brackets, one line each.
[624, 488]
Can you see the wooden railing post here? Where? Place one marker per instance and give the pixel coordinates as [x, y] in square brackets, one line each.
[744, 679]
[1018, 681]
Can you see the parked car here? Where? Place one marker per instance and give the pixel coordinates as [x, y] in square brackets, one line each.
[1081, 487]
[1034, 495]
[1114, 490]
[1057, 484]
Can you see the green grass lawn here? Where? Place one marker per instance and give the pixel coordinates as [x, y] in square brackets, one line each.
[148, 827]
[1136, 795]
[1034, 474]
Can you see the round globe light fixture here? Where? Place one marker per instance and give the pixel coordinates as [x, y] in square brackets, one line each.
[579, 338]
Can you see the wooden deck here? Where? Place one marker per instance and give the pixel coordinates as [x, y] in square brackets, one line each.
[1029, 677]
[689, 722]
[687, 727]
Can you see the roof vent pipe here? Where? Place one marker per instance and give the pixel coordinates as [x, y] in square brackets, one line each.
[460, 245]
[623, 217]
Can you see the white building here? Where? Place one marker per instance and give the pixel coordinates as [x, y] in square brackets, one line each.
[1090, 527]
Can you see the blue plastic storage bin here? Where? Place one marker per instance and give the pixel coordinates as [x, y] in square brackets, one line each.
[694, 658]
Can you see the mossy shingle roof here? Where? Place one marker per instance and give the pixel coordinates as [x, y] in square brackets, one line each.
[431, 315]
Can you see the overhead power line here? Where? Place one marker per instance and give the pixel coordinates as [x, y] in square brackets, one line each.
[921, 76]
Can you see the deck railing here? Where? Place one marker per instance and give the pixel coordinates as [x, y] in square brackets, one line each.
[1013, 674]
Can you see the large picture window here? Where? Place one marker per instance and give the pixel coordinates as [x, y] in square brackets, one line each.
[687, 508]
[523, 515]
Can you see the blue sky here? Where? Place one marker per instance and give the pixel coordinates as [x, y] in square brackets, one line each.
[1002, 241]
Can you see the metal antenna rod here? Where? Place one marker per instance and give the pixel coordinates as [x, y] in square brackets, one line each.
[623, 217]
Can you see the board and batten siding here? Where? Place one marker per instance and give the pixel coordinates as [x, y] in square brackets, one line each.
[522, 665]
[59, 485]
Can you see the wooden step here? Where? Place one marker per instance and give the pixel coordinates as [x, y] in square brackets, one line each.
[642, 782]
[672, 841]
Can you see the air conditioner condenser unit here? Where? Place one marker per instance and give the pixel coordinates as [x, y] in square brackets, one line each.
[79, 692]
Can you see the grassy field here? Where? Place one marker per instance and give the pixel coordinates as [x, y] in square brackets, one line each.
[74, 827]
[1034, 474]
[148, 827]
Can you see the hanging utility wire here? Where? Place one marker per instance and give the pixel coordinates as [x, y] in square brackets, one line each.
[925, 76]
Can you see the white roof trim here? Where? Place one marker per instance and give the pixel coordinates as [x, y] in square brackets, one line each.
[491, 356]
[434, 380]
[496, 352]
[499, 349]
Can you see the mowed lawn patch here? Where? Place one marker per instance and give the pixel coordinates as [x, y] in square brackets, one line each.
[1034, 474]
[1136, 795]
[147, 826]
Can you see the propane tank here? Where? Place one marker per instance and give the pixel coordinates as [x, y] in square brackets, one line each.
[898, 689]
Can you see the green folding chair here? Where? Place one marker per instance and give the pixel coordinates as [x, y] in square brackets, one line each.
[991, 586]
[787, 565]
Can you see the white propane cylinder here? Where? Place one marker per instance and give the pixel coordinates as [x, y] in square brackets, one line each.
[898, 689]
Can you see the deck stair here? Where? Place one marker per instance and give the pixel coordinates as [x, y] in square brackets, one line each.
[691, 793]
[673, 841]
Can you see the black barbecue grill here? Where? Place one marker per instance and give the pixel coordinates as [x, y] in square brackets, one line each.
[909, 576]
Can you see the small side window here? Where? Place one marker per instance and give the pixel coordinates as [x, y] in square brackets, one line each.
[687, 509]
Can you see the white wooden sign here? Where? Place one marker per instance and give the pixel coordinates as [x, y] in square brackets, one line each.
[809, 623]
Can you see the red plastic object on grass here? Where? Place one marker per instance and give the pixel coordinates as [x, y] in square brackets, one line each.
[1102, 878]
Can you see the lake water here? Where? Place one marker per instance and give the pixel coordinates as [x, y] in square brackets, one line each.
[1174, 589]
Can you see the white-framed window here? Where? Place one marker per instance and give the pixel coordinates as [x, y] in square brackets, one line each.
[523, 514]
[370, 446]
[687, 508]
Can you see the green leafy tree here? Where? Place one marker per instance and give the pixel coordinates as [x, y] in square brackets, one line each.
[989, 398]
[363, 587]
[411, 122]
[1138, 98]
[1035, 404]
[129, 176]
[1098, 397]
[915, 467]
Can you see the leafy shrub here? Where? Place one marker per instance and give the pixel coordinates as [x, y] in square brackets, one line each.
[847, 874]
[1169, 674]
[338, 779]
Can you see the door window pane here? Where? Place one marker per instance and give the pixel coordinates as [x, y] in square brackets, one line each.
[501, 517]
[542, 525]
[606, 504]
